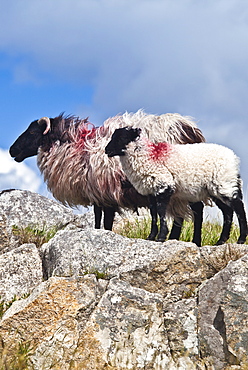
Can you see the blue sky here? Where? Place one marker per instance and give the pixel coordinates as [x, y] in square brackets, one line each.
[98, 58]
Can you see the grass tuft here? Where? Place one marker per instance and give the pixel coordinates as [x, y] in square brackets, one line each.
[98, 274]
[34, 235]
[139, 228]
[17, 357]
[4, 306]
[136, 228]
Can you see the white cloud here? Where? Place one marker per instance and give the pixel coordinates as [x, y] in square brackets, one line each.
[15, 175]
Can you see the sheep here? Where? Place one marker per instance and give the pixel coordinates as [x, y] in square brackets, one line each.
[77, 172]
[169, 173]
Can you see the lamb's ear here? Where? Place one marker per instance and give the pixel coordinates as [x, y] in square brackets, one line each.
[137, 132]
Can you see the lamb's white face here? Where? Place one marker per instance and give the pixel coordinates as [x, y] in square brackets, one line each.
[120, 139]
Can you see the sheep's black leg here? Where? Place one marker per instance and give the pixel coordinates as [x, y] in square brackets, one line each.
[154, 216]
[162, 202]
[227, 212]
[238, 207]
[197, 208]
[109, 214]
[198, 218]
[176, 229]
[98, 216]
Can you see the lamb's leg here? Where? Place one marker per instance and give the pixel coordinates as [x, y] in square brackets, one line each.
[238, 207]
[176, 229]
[227, 212]
[109, 214]
[198, 218]
[197, 208]
[154, 216]
[162, 202]
[98, 216]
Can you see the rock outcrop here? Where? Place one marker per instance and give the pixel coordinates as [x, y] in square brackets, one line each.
[92, 299]
[22, 208]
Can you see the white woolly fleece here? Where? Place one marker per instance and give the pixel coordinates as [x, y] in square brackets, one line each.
[193, 171]
[169, 127]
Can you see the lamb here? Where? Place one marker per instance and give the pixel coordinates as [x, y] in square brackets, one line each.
[169, 173]
[72, 160]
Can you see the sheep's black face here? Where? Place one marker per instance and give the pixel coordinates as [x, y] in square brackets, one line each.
[120, 139]
[28, 142]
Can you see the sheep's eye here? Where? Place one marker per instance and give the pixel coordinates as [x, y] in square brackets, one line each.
[32, 132]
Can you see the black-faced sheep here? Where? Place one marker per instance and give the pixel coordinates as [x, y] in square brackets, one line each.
[72, 160]
[182, 174]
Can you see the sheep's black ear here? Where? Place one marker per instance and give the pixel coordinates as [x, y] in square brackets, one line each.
[137, 132]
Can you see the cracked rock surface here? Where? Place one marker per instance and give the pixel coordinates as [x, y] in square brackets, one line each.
[91, 299]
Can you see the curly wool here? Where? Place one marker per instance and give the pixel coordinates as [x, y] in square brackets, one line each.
[195, 172]
[78, 172]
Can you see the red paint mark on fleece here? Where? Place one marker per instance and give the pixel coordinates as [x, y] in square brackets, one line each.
[85, 133]
[159, 151]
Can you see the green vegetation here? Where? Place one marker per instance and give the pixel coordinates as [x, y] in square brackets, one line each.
[140, 228]
[135, 228]
[210, 232]
[98, 274]
[5, 305]
[32, 234]
[16, 358]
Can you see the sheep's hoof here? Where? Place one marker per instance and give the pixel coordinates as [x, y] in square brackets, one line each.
[241, 241]
[160, 240]
[197, 242]
[151, 237]
[220, 242]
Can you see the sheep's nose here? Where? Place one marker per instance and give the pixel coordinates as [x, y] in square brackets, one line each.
[13, 151]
